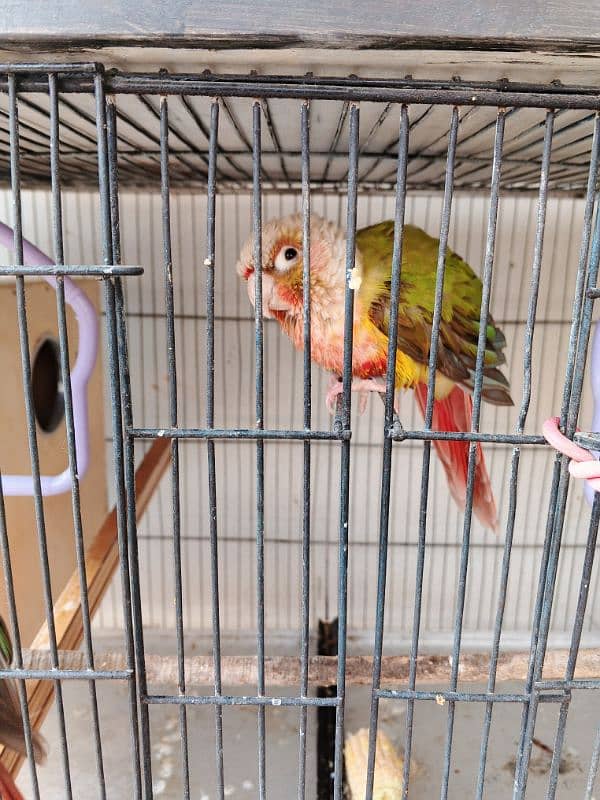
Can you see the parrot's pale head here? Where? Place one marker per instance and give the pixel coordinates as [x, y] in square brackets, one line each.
[283, 264]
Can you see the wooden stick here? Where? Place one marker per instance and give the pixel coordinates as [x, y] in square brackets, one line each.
[101, 562]
[285, 670]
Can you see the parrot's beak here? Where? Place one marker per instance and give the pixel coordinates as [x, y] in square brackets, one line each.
[271, 300]
[251, 287]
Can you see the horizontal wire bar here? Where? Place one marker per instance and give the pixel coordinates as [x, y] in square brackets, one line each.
[77, 270]
[237, 152]
[133, 314]
[542, 686]
[235, 433]
[253, 434]
[49, 67]
[466, 436]
[450, 94]
[321, 542]
[500, 447]
[235, 700]
[66, 674]
[469, 697]
[139, 177]
[39, 149]
[309, 79]
[357, 89]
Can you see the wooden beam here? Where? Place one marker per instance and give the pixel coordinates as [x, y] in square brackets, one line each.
[101, 561]
[102, 558]
[285, 670]
[234, 24]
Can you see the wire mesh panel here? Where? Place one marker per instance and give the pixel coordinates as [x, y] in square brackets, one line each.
[305, 139]
[59, 272]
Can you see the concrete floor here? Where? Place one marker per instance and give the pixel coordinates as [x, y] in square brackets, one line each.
[240, 747]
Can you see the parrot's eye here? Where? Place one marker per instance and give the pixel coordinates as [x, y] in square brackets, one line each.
[286, 258]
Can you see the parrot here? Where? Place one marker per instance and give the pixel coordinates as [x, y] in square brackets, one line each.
[11, 722]
[282, 299]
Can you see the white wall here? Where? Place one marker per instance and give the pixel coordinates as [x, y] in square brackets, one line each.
[141, 235]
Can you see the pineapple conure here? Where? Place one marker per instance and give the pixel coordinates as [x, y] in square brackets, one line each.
[282, 291]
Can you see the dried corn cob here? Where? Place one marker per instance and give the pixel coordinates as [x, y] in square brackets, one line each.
[388, 767]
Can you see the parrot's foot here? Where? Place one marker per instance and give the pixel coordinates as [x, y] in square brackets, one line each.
[360, 385]
[335, 388]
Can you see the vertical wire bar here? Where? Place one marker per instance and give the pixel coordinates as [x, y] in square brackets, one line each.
[210, 422]
[15, 631]
[477, 393]
[260, 446]
[306, 472]
[584, 587]
[523, 411]
[69, 421]
[577, 306]
[172, 373]
[31, 425]
[558, 502]
[433, 353]
[127, 580]
[522, 752]
[582, 343]
[353, 145]
[16, 642]
[386, 478]
[123, 454]
[594, 763]
[116, 363]
[583, 254]
[117, 367]
[336, 138]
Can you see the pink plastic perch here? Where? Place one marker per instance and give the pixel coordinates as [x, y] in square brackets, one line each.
[87, 324]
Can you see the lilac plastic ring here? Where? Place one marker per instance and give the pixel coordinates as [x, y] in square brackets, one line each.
[87, 325]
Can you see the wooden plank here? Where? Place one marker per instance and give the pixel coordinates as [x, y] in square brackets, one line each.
[285, 670]
[102, 559]
[380, 24]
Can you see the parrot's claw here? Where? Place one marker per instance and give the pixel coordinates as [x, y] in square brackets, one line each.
[360, 385]
[362, 402]
[335, 388]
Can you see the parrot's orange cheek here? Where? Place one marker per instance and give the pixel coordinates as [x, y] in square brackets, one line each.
[290, 296]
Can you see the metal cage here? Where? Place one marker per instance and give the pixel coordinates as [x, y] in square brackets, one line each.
[75, 124]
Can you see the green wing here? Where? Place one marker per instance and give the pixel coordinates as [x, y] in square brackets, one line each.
[459, 327]
[6, 650]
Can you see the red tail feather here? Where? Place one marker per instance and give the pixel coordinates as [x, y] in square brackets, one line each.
[453, 413]
[8, 789]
